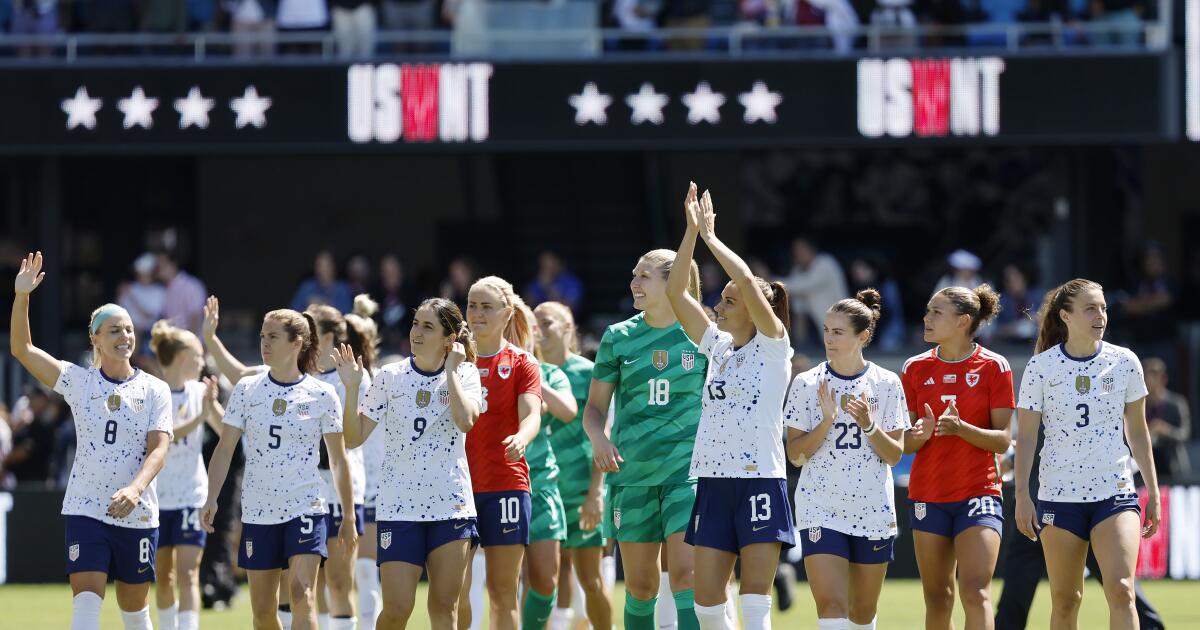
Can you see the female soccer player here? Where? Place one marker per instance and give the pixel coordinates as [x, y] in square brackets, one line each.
[182, 484]
[657, 375]
[578, 481]
[509, 420]
[846, 420]
[1091, 396]
[283, 414]
[742, 509]
[425, 508]
[956, 513]
[111, 505]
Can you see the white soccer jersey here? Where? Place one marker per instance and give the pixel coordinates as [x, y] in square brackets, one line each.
[425, 475]
[183, 482]
[741, 425]
[354, 456]
[846, 486]
[372, 452]
[282, 425]
[1082, 402]
[111, 422]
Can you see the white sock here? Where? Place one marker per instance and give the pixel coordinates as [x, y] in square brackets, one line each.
[342, 623]
[578, 598]
[285, 619]
[85, 611]
[713, 617]
[608, 572]
[189, 620]
[137, 620]
[323, 621]
[370, 599]
[478, 576]
[833, 624]
[168, 618]
[862, 626]
[731, 596]
[756, 612]
[668, 617]
[560, 619]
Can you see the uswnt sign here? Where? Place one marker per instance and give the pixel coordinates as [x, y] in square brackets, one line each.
[586, 105]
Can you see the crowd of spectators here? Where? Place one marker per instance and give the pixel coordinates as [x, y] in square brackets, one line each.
[354, 24]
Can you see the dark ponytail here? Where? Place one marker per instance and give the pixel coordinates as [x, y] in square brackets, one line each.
[300, 326]
[307, 361]
[453, 323]
[1052, 330]
[980, 304]
[777, 297]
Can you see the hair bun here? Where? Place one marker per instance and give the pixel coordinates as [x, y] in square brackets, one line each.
[364, 306]
[871, 299]
[989, 302]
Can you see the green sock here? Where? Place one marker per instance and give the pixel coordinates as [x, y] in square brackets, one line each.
[685, 607]
[639, 613]
[537, 609]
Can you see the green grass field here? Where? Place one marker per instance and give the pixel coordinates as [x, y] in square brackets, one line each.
[49, 606]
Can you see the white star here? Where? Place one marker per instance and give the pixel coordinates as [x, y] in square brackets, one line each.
[251, 108]
[704, 104]
[760, 103]
[81, 109]
[137, 109]
[194, 109]
[647, 105]
[590, 105]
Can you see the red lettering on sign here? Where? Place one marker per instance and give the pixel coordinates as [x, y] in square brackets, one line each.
[931, 96]
[419, 86]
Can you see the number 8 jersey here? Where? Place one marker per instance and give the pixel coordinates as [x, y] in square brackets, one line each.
[1082, 402]
[846, 486]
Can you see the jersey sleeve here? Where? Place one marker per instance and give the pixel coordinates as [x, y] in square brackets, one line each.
[527, 377]
[797, 411]
[1000, 392]
[1136, 388]
[472, 386]
[894, 411]
[775, 349]
[908, 384]
[72, 381]
[558, 381]
[608, 365]
[1032, 388]
[331, 414]
[162, 416]
[709, 341]
[373, 403]
[235, 411]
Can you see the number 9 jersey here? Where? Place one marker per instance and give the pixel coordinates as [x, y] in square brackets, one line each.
[1082, 402]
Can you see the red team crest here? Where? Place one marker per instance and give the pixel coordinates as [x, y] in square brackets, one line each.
[504, 371]
[972, 379]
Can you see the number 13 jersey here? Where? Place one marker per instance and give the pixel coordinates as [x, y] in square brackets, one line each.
[424, 475]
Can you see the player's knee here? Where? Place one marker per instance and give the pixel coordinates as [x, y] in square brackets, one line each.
[397, 611]
[642, 586]
[542, 583]
[1066, 599]
[442, 607]
[337, 582]
[681, 577]
[976, 590]
[939, 597]
[830, 606]
[1119, 592]
[862, 609]
[302, 591]
[265, 619]
[501, 592]
[592, 586]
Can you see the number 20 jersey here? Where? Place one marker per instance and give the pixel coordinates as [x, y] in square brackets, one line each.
[1082, 402]
[846, 486]
[424, 475]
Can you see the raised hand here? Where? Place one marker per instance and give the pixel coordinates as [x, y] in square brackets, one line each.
[349, 367]
[31, 275]
[827, 400]
[212, 316]
[691, 209]
[949, 423]
[708, 217]
[860, 410]
[456, 351]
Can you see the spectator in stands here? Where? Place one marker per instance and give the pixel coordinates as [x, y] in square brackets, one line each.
[1170, 422]
[144, 298]
[964, 271]
[554, 283]
[202, 15]
[358, 274]
[34, 17]
[34, 419]
[1018, 305]
[460, 275]
[943, 13]
[895, 14]
[108, 16]
[870, 272]
[354, 25]
[324, 287]
[814, 283]
[183, 301]
[839, 17]
[397, 302]
[62, 454]
[636, 16]
[253, 25]
[409, 15]
[686, 14]
[302, 16]
[1148, 307]
[164, 16]
[1123, 14]
[8, 481]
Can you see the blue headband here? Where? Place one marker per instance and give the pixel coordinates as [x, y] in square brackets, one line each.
[106, 311]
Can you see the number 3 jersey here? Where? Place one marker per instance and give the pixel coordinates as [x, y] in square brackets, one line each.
[846, 486]
[1082, 402]
[183, 482]
[741, 426]
[425, 475]
[112, 419]
[282, 427]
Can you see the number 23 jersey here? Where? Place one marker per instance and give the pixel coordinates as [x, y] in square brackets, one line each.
[282, 427]
[846, 486]
[424, 475]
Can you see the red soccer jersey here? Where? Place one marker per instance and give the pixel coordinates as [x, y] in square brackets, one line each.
[504, 376]
[948, 468]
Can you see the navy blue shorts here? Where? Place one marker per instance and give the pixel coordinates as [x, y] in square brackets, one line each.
[952, 518]
[503, 517]
[333, 520]
[413, 541]
[731, 513]
[856, 549]
[125, 554]
[181, 527]
[1080, 518]
[368, 514]
[267, 547]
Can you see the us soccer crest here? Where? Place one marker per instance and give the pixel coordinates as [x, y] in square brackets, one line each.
[919, 510]
[249, 548]
[873, 402]
[1048, 518]
[385, 540]
[443, 396]
[1108, 383]
[972, 379]
[279, 407]
[423, 397]
[114, 402]
[659, 359]
[617, 519]
[73, 552]
[1083, 383]
[302, 410]
[137, 404]
[814, 534]
[846, 398]
[688, 359]
[504, 371]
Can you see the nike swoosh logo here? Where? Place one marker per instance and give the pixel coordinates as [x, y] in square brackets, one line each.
[509, 531]
[143, 570]
[460, 526]
[304, 540]
[98, 397]
[632, 362]
[1056, 384]
[257, 404]
[873, 548]
[590, 534]
[760, 528]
